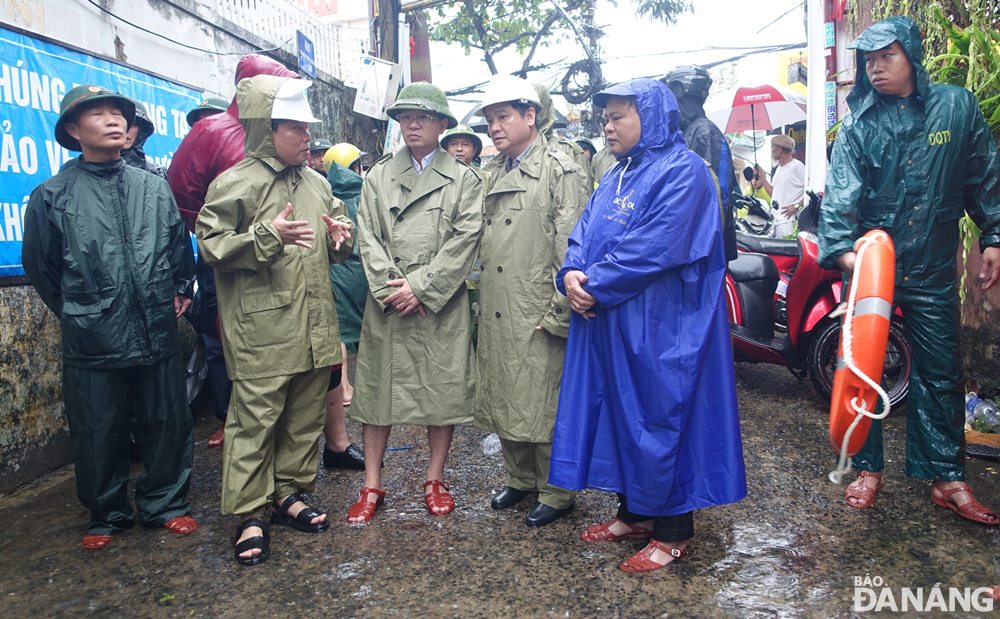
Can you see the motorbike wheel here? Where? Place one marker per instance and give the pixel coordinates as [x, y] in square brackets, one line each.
[821, 361]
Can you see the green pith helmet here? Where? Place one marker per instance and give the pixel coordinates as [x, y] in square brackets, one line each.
[87, 92]
[465, 130]
[320, 144]
[213, 104]
[422, 97]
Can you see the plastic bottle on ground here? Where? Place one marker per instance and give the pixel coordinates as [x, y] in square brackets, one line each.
[977, 409]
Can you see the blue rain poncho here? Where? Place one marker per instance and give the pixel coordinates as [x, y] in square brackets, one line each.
[648, 400]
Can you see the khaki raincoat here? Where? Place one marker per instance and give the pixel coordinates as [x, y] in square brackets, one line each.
[529, 214]
[546, 121]
[426, 227]
[275, 301]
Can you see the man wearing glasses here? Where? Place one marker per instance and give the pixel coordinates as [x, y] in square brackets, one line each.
[419, 223]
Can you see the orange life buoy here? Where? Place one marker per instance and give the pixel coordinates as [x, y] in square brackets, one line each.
[875, 278]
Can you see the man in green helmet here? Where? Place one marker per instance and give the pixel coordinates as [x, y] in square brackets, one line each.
[419, 223]
[209, 107]
[106, 250]
[462, 143]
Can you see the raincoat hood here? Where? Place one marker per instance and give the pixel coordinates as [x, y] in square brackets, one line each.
[545, 120]
[877, 36]
[345, 183]
[658, 113]
[253, 65]
[255, 98]
[135, 155]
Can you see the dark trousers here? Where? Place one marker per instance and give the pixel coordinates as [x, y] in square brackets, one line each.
[935, 436]
[208, 328]
[665, 528]
[103, 407]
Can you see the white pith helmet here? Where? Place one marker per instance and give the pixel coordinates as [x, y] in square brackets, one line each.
[504, 88]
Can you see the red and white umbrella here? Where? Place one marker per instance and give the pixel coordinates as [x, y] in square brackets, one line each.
[759, 107]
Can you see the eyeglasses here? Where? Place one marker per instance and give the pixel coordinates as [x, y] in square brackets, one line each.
[420, 119]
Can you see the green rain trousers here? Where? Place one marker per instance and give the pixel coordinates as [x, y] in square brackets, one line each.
[149, 402]
[935, 438]
[271, 445]
[527, 466]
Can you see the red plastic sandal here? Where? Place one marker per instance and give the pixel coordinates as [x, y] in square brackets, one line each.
[602, 532]
[437, 498]
[95, 542]
[640, 561]
[973, 509]
[364, 510]
[182, 525]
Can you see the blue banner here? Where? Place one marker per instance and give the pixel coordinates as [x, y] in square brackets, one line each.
[34, 76]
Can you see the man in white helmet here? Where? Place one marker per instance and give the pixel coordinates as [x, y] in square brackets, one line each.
[271, 228]
[537, 194]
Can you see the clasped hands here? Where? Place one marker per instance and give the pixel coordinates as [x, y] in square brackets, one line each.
[298, 232]
[579, 299]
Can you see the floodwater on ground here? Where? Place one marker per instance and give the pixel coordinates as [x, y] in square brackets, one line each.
[791, 549]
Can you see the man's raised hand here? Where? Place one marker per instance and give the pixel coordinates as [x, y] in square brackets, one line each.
[339, 231]
[293, 232]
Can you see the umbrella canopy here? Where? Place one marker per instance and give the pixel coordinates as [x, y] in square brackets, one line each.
[759, 107]
[478, 123]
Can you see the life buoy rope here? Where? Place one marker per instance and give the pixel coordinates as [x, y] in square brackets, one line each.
[860, 410]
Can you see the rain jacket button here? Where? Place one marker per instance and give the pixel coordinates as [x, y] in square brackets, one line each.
[396, 259]
[911, 223]
[508, 222]
[499, 269]
[400, 218]
[906, 279]
[559, 310]
[392, 275]
[909, 162]
[489, 222]
[430, 275]
[498, 314]
[902, 107]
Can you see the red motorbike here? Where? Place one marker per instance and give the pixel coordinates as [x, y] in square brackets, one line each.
[780, 301]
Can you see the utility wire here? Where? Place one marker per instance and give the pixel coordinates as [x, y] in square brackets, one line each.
[197, 49]
[779, 17]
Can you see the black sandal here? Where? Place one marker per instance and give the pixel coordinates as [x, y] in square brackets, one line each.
[264, 543]
[301, 522]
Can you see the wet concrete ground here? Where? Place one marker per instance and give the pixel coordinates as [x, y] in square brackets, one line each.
[792, 548]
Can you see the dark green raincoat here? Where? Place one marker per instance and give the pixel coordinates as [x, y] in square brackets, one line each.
[349, 284]
[913, 166]
[105, 248]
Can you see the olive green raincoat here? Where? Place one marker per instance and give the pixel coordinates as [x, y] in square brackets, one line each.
[546, 120]
[279, 324]
[913, 166]
[275, 302]
[530, 212]
[426, 227]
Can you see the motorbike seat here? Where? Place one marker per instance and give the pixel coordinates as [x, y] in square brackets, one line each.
[766, 245]
[750, 267]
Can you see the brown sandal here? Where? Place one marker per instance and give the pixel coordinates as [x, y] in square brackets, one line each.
[973, 509]
[364, 508]
[438, 497]
[864, 494]
[640, 561]
[602, 532]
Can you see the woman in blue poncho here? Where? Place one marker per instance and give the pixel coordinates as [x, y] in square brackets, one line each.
[647, 407]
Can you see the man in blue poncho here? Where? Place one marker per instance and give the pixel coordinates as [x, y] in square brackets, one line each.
[648, 400]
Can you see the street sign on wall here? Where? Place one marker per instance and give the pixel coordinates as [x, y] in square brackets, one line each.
[34, 76]
[307, 55]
